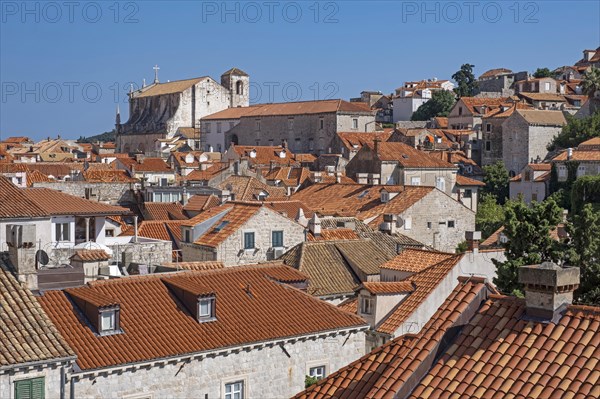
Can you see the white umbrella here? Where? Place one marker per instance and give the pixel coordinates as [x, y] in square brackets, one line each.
[94, 245]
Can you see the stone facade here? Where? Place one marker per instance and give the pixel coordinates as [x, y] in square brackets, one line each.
[304, 133]
[113, 193]
[522, 142]
[157, 111]
[231, 251]
[51, 372]
[491, 149]
[269, 371]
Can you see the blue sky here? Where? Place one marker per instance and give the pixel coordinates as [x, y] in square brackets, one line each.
[65, 66]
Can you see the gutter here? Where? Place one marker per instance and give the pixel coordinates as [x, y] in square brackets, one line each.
[214, 352]
[38, 363]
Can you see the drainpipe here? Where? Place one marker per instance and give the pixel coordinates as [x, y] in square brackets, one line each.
[87, 229]
[135, 229]
[63, 378]
[72, 388]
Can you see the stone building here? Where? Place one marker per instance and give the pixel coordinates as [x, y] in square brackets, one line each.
[239, 233]
[586, 155]
[532, 184]
[498, 82]
[526, 135]
[159, 110]
[246, 332]
[400, 164]
[306, 126]
[34, 358]
[412, 95]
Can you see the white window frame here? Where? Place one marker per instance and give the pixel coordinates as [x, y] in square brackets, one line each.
[234, 380]
[408, 223]
[547, 86]
[209, 303]
[60, 237]
[562, 171]
[440, 183]
[415, 181]
[355, 123]
[581, 170]
[112, 317]
[366, 303]
[319, 372]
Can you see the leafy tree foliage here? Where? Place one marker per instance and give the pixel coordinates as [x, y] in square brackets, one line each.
[591, 82]
[465, 80]
[309, 380]
[527, 229]
[576, 131]
[496, 181]
[440, 104]
[542, 73]
[106, 136]
[585, 190]
[490, 215]
[584, 252]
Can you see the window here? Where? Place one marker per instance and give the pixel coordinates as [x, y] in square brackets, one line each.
[385, 197]
[32, 388]
[164, 181]
[415, 181]
[234, 390]
[534, 197]
[488, 145]
[581, 170]
[440, 183]
[257, 125]
[290, 123]
[317, 372]
[207, 127]
[429, 225]
[249, 240]
[62, 232]
[547, 86]
[451, 224]
[239, 87]
[109, 233]
[218, 127]
[188, 237]
[355, 123]
[459, 110]
[562, 172]
[277, 238]
[321, 123]
[468, 193]
[408, 223]
[108, 321]
[488, 127]
[366, 305]
[205, 308]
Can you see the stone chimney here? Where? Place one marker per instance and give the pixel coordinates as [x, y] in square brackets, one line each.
[21, 253]
[548, 288]
[338, 177]
[376, 145]
[389, 224]
[314, 225]
[473, 238]
[300, 218]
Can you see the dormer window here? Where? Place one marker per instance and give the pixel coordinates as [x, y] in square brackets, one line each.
[108, 320]
[385, 197]
[206, 309]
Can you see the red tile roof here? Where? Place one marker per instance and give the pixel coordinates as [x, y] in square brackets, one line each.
[408, 157]
[35, 176]
[307, 108]
[264, 155]
[416, 260]
[164, 211]
[90, 255]
[26, 332]
[475, 104]
[200, 202]
[247, 301]
[57, 203]
[15, 204]
[108, 176]
[248, 188]
[196, 266]
[334, 234]
[467, 181]
[388, 287]
[353, 141]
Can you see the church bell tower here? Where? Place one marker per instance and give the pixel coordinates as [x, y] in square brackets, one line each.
[238, 84]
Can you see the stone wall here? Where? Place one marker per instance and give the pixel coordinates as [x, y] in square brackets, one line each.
[231, 251]
[114, 193]
[51, 374]
[268, 372]
[494, 136]
[155, 252]
[438, 209]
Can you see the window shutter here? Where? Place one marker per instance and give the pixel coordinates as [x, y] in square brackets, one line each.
[33, 388]
[37, 388]
[23, 389]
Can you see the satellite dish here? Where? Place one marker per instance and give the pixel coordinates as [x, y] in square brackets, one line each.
[399, 222]
[41, 257]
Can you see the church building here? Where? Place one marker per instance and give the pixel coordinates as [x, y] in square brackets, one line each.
[164, 110]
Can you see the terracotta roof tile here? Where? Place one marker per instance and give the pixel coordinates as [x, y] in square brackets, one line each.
[26, 332]
[176, 86]
[247, 188]
[467, 181]
[408, 157]
[349, 305]
[388, 287]
[231, 113]
[247, 300]
[543, 117]
[579, 155]
[14, 203]
[307, 108]
[353, 141]
[108, 176]
[200, 202]
[164, 211]
[205, 175]
[334, 234]
[57, 203]
[90, 255]
[196, 266]
[264, 155]
[475, 104]
[289, 208]
[35, 176]
[416, 260]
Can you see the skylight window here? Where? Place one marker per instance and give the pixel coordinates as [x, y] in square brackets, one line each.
[221, 226]
[363, 194]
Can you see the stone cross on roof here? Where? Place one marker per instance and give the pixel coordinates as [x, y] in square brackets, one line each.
[156, 68]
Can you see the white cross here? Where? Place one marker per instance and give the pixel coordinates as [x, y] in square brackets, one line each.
[156, 68]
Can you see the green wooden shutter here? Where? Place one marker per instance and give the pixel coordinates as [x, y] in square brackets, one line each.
[33, 388]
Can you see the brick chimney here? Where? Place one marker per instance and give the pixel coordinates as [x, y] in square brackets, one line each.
[390, 223]
[314, 225]
[548, 288]
[473, 238]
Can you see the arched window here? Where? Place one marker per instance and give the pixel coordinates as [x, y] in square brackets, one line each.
[234, 139]
[239, 87]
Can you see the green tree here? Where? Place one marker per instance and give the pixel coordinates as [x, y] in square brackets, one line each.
[542, 73]
[465, 81]
[490, 215]
[584, 252]
[576, 131]
[591, 82]
[496, 181]
[309, 380]
[440, 104]
[528, 231]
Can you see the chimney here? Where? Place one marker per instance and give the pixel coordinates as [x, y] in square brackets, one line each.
[300, 218]
[473, 238]
[314, 225]
[338, 177]
[376, 145]
[468, 150]
[284, 144]
[21, 239]
[548, 288]
[362, 178]
[569, 153]
[389, 224]
[317, 177]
